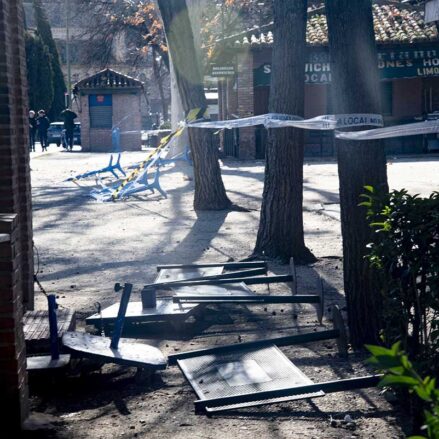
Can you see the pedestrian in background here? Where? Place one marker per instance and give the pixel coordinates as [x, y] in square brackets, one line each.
[32, 130]
[43, 124]
[69, 117]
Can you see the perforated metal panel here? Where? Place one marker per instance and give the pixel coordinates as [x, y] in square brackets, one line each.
[249, 371]
[168, 275]
[238, 289]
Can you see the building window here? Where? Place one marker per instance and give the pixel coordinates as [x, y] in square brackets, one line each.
[387, 97]
[101, 111]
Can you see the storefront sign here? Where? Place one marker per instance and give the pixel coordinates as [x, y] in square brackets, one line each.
[222, 70]
[392, 64]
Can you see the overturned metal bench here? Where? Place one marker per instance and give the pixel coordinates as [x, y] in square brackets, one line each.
[239, 293]
[196, 285]
[257, 373]
[163, 309]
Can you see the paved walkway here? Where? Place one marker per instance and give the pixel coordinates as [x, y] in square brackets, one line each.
[85, 247]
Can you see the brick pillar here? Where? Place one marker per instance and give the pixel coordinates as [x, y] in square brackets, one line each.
[15, 189]
[245, 92]
[16, 257]
[84, 118]
[13, 376]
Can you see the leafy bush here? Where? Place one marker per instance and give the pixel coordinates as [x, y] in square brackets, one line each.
[399, 371]
[405, 250]
[165, 125]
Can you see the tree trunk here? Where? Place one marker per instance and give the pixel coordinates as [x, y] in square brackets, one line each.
[210, 193]
[156, 67]
[355, 89]
[280, 233]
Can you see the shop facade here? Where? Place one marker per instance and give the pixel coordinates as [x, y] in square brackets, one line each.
[408, 62]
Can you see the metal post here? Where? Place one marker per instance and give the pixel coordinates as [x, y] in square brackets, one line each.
[69, 72]
[226, 265]
[53, 326]
[246, 299]
[210, 280]
[120, 320]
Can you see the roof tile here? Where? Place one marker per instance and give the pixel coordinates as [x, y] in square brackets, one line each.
[392, 23]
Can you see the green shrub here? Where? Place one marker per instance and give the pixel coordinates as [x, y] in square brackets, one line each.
[399, 372]
[405, 250]
[165, 125]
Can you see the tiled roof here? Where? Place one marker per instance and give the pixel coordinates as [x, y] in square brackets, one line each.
[393, 24]
[108, 78]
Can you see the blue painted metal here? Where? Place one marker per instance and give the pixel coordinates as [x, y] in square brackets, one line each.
[110, 168]
[139, 184]
[142, 184]
[101, 100]
[184, 156]
[53, 326]
[120, 320]
[115, 139]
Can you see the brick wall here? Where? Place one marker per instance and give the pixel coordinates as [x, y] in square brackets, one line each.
[99, 140]
[84, 118]
[245, 98]
[13, 376]
[16, 258]
[15, 190]
[232, 97]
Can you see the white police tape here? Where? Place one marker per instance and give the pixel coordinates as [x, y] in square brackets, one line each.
[411, 129]
[275, 120]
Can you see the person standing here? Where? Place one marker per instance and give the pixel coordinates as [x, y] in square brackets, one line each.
[43, 124]
[69, 126]
[32, 130]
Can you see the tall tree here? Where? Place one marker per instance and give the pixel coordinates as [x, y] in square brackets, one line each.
[39, 73]
[210, 193]
[45, 33]
[355, 89]
[280, 233]
[157, 67]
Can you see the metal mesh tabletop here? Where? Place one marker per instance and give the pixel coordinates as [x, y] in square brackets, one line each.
[239, 373]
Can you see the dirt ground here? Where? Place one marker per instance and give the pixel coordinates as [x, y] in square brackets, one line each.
[85, 247]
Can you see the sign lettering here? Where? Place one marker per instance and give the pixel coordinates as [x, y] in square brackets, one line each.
[392, 64]
[222, 71]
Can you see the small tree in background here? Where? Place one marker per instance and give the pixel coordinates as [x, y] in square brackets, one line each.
[59, 87]
[39, 73]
